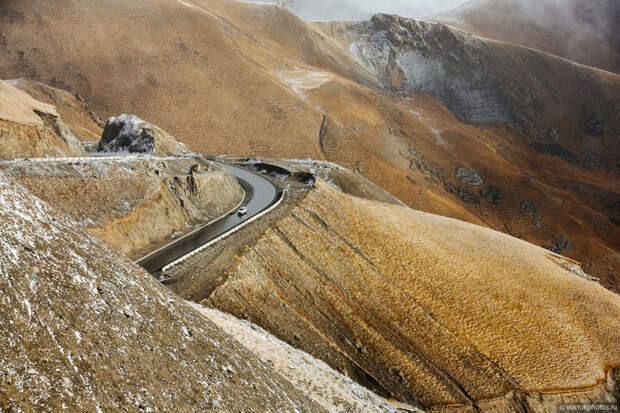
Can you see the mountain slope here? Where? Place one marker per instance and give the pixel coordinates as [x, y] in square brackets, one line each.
[83, 328]
[585, 31]
[412, 300]
[252, 79]
[186, 69]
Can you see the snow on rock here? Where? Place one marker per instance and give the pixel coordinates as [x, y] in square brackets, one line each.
[129, 133]
[83, 328]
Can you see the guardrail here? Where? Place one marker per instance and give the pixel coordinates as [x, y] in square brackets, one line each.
[224, 235]
[76, 159]
[196, 230]
[121, 157]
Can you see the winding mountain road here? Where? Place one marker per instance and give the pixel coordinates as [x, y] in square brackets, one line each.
[260, 195]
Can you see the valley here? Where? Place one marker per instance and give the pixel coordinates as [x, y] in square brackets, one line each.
[215, 205]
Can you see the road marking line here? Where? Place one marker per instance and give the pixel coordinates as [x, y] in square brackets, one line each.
[224, 235]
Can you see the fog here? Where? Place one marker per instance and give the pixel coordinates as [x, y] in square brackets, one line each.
[363, 9]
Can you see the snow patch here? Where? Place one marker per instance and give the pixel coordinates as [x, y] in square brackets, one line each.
[301, 80]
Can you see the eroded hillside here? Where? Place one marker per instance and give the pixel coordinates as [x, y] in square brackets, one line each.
[30, 128]
[134, 203]
[83, 328]
[73, 110]
[435, 311]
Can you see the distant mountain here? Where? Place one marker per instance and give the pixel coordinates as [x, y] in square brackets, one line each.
[585, 31]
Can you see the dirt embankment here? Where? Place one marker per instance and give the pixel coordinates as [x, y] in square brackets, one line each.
[407, 302]
[73, 110]
[29, 128]
[133, 204]
[82, 328]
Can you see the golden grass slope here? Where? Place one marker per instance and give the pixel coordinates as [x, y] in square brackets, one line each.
[436, 310]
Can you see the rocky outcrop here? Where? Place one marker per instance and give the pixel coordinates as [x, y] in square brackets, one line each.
[84, 124]
[82, 328]
[128, 133]
[29, 128]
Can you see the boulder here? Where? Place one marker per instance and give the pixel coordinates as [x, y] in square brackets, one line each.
[129, 133]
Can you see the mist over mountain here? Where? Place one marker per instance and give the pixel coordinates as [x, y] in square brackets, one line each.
[363, 9]
[581, 30]
[585, 31]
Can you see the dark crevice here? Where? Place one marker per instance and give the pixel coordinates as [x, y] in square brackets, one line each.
[417, 355]
[322, 133]
[342, 238]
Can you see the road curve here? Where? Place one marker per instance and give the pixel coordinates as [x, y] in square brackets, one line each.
[260, 195]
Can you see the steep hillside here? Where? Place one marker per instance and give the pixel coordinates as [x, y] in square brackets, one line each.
[84, 329]
[187, 69]
[408, 302]
[29, 128]
[73, 110]
[585, 31]
[327, 387]
[540, 160]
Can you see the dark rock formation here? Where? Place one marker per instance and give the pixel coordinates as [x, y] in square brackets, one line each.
[469, 176]
[128, 133]
[492, 194]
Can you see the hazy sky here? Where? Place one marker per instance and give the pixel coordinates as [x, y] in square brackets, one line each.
[361, 9]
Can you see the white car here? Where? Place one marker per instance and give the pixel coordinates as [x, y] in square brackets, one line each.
[242, 211]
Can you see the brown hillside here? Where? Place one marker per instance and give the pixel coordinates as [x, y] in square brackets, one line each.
[188, 70]
[83, 328]
[250, 79]
[436, 310]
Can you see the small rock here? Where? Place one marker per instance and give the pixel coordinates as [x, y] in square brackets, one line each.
[492, 194]
[469, 176]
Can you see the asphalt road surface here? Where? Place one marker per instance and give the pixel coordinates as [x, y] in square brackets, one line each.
[260, 195]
